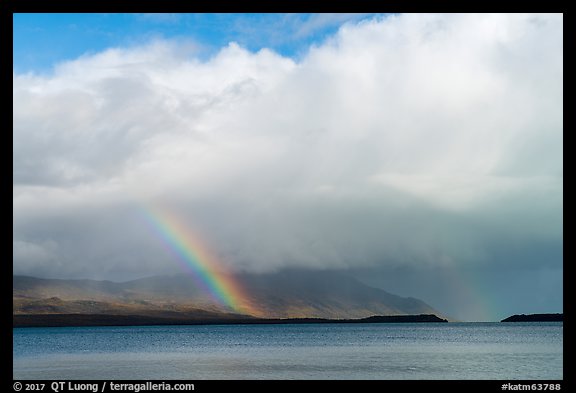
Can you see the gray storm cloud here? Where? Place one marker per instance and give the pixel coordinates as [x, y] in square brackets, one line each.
[410, 140]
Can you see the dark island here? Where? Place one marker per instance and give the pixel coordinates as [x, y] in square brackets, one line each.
[535, 318]
[58, 320]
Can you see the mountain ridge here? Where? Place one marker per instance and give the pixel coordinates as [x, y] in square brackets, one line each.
[287, 294]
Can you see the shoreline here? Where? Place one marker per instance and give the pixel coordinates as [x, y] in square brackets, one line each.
[77, 320]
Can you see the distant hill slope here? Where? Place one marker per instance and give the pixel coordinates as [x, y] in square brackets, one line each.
[300, 294]
[287, 294]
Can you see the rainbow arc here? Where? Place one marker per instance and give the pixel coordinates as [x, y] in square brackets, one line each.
[196, 257]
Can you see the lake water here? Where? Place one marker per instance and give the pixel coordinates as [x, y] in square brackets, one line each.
[311, 351]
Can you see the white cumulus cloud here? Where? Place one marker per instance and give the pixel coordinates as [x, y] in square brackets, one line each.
[405, 139]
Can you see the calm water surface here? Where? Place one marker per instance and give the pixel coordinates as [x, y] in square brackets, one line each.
[312, 351]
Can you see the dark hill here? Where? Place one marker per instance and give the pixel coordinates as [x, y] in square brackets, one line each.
[535, 318]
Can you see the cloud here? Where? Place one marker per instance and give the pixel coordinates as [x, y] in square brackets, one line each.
[315, 22]
[34, 255]
[421, 140]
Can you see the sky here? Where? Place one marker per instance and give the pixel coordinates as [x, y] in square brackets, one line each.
[422, 153]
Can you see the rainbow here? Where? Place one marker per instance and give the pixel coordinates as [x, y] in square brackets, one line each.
[196, 257]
